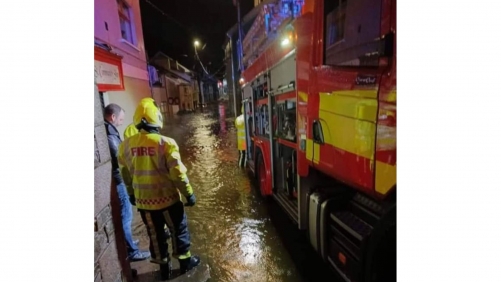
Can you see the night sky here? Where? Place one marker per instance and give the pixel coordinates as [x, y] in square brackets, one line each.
[187, 20]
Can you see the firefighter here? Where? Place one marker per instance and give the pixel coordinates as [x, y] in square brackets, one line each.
[240, 125]
[132, 130]
[151, 165]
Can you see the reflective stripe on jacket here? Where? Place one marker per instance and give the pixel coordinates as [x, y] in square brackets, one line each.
[152, 169]
[240, 125]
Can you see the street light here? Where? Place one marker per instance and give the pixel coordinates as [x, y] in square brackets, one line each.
[196, 43]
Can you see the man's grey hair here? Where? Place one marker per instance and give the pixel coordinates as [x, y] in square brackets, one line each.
[112, 109]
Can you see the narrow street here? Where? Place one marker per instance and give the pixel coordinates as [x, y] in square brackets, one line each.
[238, 234]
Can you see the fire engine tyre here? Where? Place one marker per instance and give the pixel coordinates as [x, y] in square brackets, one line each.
[261, 174]
[381, 263]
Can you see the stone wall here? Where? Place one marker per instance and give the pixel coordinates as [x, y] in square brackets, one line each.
[109, 243]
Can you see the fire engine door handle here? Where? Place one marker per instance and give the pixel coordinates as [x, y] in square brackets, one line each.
[318, 136]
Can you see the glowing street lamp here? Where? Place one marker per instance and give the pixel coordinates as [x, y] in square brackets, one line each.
[196, 43]
[285, 42]
[288, 36]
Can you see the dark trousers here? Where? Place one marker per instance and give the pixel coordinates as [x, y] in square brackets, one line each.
[242, 157]
[176, 220]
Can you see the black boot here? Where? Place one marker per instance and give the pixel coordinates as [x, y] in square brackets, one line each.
[188, 264]
[165, 271]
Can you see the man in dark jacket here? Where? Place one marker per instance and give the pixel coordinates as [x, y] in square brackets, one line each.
[113, 118]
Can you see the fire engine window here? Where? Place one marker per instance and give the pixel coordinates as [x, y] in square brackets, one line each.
[261, 90]
[277, 120]
[334, 21]
[352, 29]
[266, 120]
[262, 121]
[287, 120]
[257, 120]
[262, 124]
[274, 120]
[251, 125]
[250, 118]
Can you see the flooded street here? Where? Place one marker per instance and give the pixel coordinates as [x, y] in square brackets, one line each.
[230, 225]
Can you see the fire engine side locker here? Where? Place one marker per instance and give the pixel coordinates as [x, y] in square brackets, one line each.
[270, 132]
[278, 163]
[282, 79]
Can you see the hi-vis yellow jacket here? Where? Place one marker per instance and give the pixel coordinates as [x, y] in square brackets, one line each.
[151, 165]
[130, 130]
[240, 125]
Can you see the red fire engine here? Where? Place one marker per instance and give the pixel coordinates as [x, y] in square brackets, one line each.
[319, 96]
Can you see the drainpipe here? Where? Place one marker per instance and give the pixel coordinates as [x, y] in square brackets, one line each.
[149, 80]
[202, 91]
[166, 82]
[149, 74]
[241, 48]
[233, 78]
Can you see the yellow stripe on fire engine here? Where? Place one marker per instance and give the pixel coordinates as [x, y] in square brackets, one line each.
[386, 177]
[312, 148]
[303, 96]
[348, 120]
[392, 96]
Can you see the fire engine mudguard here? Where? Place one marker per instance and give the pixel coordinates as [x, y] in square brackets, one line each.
[263, 175]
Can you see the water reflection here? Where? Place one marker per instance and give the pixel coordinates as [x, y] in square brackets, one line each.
[229, 225]
[250, 241]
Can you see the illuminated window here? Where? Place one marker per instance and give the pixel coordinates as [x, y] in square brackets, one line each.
[125, 16]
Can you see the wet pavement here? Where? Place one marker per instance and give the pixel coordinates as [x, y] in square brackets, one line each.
[239, 235]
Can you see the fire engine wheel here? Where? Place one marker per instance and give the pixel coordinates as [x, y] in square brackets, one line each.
[382, 253]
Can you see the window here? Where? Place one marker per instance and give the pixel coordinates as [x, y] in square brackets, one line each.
[262, 121]
[249, 129]
[266, 120]
[250, 120]
[286, 120]
[352, 32]
[334, 21]
[125, 16]
[260, 91]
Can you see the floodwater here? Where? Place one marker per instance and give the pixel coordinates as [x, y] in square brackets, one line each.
[230, 225]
